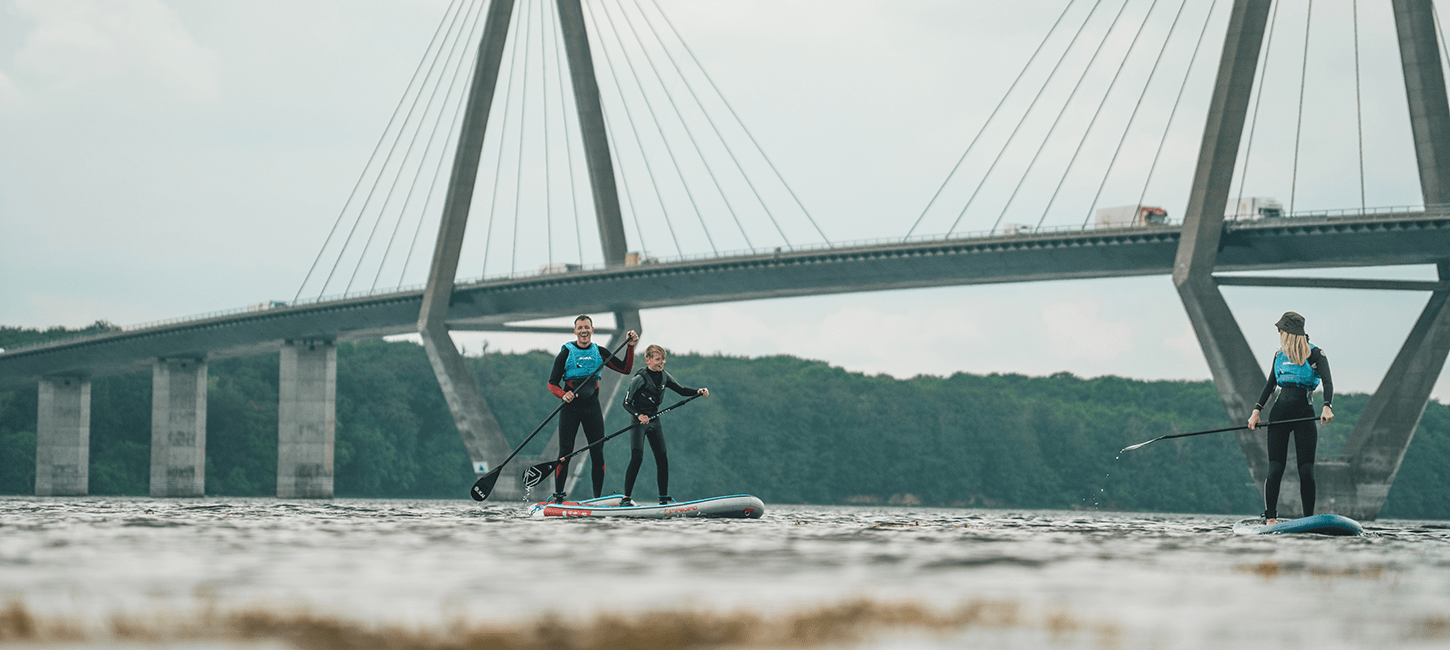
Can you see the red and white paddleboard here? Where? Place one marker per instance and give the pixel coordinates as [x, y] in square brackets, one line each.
[739, 506]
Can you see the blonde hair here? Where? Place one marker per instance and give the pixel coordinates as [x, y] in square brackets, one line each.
[1294, 346]
[654, 349]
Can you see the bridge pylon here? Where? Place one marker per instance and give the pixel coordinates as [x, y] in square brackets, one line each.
[1357, 483]
[476, 424]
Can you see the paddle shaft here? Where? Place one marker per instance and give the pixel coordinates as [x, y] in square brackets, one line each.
[549, 465]
[1200, 433]
[484, 485]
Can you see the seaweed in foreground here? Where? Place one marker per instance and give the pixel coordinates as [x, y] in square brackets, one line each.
[660, 630]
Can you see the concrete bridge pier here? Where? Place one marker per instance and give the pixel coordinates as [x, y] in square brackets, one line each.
[63, 437]
[1383, 432]
[306, 419]
[178, 428]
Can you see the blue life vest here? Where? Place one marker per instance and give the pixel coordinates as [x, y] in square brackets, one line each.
[582, 363]
[1288, 374]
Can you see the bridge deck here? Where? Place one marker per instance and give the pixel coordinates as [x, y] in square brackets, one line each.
[1268, 244]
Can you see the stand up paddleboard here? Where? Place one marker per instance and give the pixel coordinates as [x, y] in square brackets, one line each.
[1316, 525]
[739, 506]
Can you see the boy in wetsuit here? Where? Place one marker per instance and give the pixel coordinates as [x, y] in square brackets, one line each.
[642, 400]
[577, 361]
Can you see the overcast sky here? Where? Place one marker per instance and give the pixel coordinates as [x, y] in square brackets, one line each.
[162, 159]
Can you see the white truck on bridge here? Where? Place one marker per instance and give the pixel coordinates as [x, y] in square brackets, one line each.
[1257, 207]
[1125, 216]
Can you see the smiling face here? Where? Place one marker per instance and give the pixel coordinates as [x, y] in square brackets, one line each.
[655, 361]
[583, 330]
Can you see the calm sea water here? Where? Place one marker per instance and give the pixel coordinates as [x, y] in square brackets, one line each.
[102, 572]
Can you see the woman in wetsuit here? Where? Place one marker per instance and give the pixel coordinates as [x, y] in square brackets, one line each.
[642, 400]
[1297, 370]
[577, 361]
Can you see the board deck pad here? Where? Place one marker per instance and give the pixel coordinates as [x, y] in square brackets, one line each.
[1315, 525]
[737, 506]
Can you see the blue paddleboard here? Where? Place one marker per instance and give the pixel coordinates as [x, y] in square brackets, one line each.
[1315, 525]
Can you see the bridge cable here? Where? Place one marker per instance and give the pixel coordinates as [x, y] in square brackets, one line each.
[660, 129]
[985, 124]
[448, 62]
[376, 148]
[741, 122]
[1358, 106]
[669, 150]
[1258, 101]
[683, 124]
[1099, 111]
[392, 149]
[502, 129]
[681, 73]
[1147, 84]
[398, 175]
[1023, 119]
[1303, 78]
[639, 144]
[1187, 74]
[454, 123]
[1436, 15]
[1111, 26]
[432, 139]
[561, 66]
[624, 181]
[545, 27]
[523, 133]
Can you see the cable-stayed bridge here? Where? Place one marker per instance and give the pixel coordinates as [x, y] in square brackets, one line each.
[1195, 251]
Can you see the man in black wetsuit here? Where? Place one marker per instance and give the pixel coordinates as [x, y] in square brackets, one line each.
[642, 400]
[577, 362]
[1297, 370]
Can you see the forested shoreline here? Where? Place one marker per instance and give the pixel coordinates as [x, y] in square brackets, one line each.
[785, 429]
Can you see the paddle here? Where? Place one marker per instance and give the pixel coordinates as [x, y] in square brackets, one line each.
[534, 475]
[484, 485]
[1199, 433]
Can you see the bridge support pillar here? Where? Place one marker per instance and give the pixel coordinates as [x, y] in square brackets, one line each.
[1383, 432]
[63, 437]
[306, 419]
[178, 428]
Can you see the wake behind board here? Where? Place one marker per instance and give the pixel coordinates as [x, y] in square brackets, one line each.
[1315, 525]
[738, 506]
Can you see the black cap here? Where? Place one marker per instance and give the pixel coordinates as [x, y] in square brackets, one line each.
[1292, 323]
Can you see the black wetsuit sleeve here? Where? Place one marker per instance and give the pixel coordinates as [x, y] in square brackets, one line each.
[673, 385]
[1320, 363]
[556, 376]
[635, 385]
[1268, 386]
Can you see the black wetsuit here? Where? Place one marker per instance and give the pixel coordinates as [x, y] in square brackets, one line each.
[583, 411]
[645, 393]
[1294, 403]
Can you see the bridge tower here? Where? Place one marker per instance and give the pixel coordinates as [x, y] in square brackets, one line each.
[476, 424]
[1357, 483]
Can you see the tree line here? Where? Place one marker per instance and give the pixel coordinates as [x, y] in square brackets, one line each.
[788, 430]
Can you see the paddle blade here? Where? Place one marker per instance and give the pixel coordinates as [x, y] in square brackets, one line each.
[535, 474]
[1141, 444]
[484, 485]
